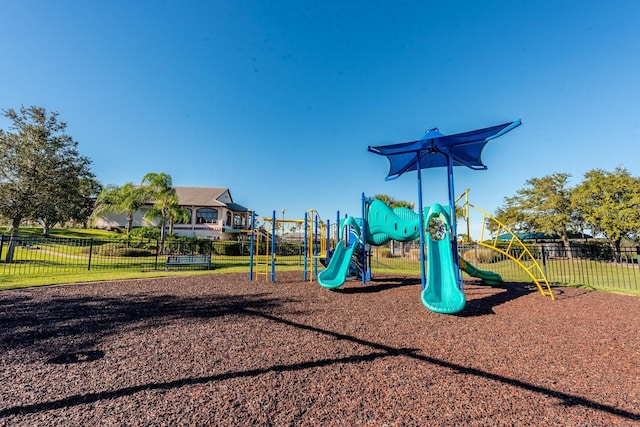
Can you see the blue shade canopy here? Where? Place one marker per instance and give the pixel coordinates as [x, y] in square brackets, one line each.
[438, 150]
[434, 149]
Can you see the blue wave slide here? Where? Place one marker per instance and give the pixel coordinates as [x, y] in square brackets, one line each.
[441, 293]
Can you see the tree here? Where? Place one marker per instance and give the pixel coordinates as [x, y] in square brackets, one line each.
[61, 204]
[40, 169]
[392, 202]
[175, 213]
[89, 188]
[609, 203]
[127, 199]
[543, 206]
[511, 216]
[159, 187]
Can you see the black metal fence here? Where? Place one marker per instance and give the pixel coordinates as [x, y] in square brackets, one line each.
[593, 265]
[37, 255]
[40, 255]
[590, 265]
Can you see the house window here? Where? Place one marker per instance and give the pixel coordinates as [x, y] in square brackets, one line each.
[228, 219]
[206, 216]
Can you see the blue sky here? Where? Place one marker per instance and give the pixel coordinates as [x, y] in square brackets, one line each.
[278, 100]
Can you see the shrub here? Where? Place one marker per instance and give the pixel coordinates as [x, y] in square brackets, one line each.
[226, 248]
[384, 252]
[118, 250]
[134, 252]
[290, 248]
[145, 232]
[481, 255]
[189, 245]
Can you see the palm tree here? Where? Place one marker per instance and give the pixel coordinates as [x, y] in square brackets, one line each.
[175, 213]
[159, 188]
[113, 199]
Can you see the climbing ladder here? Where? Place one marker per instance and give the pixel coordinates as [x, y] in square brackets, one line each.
[262, 262]
[515, 249]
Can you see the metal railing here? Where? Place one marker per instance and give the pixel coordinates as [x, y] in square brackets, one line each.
[590, 265]
[40, 255]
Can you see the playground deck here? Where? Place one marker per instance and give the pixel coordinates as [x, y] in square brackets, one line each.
[219, 350]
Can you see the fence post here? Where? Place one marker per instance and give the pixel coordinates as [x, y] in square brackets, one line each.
[157, 253]
[2, 245]
[90, 252]
[544, 260]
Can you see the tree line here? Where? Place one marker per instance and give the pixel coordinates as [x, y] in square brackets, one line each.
[605, 203]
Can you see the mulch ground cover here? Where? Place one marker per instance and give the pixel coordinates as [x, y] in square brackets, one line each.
[220, 350]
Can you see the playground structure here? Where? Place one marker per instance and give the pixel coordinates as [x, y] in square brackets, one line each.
[442, 289]
[442, 284]
[443, 292]
[352, 238]
[381, 224]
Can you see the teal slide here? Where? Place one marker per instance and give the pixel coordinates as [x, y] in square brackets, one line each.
[336, 272]
[338, 269]
[441, 294]
[488, 277]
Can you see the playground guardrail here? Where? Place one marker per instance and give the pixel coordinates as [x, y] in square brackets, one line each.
[590, 265]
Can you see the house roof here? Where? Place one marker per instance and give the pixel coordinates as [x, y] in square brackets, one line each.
[207, 196]
[236, 207]
[200, 196]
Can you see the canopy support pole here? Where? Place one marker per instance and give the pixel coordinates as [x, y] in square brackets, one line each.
[452, 213]
[423, 275]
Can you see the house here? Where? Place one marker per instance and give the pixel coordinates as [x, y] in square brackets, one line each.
[212, 215]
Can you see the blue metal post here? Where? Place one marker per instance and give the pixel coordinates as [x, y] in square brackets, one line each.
[345, 231]
[423, 275]
[337, 227]
[363, 240]
[452, 214]
[315, 248]
[273, 247]
[252, 247]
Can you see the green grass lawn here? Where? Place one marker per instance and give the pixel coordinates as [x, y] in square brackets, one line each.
[71, 233]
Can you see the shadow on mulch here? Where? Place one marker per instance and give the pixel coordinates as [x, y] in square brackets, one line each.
[379, 285]
[499, 295]
[70, 330]
[560, 292]
[377, 350]
[475, 307]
